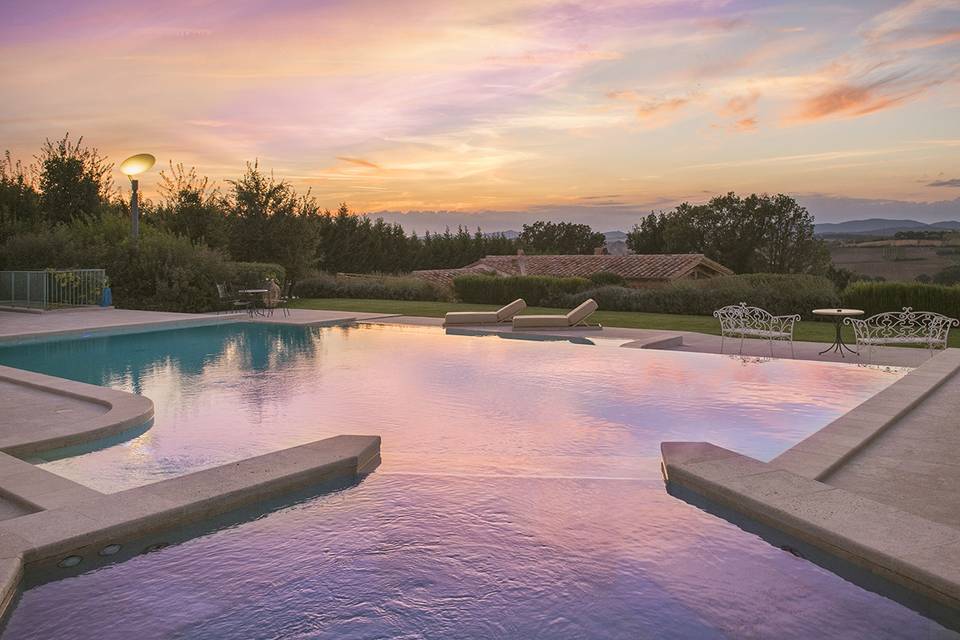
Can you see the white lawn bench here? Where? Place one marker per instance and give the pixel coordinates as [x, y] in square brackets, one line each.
[741, 321]
[922, 328]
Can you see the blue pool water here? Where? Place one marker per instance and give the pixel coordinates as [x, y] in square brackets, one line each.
[519, 494]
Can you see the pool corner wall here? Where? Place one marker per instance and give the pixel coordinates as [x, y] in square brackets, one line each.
[91, 524]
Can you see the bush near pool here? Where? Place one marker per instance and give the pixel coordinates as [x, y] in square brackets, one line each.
[780, 294]
[538, 291]
[372, 287]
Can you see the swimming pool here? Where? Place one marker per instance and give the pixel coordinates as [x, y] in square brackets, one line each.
[519, 494]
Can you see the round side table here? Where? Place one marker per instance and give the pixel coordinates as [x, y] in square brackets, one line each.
[838, 315]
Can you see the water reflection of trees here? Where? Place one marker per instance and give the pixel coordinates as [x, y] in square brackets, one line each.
[123, 360]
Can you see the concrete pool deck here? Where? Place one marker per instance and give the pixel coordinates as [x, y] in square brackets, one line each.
[24, 326]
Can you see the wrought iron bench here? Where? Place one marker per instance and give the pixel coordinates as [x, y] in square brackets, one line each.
[923, 328]
[741, 321]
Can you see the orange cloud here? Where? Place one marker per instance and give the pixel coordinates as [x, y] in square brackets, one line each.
[742, 110]
[359, 162]
[848, 99]
[740, 105]
[653, 108]
[925, 40]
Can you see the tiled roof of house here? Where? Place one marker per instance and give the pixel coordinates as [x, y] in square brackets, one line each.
[650, 267]
[444, 277]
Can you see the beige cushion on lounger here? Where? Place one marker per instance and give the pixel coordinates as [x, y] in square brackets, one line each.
[471, 317]
[536, 322]
[582, 312]
[512, 309]
[486, 317]
[577, 315]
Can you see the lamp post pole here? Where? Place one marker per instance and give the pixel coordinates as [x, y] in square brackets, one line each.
[132, 167]
[134, 210]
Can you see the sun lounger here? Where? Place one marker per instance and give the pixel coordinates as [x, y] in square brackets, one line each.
[504, 314]
[576, 318]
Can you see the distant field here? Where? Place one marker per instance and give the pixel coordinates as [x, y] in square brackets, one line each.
[879, 261]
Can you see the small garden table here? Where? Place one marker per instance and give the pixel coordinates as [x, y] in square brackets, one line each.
[251, 293]
[838, 315]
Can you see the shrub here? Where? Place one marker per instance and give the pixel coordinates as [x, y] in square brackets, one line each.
[255, 274]
[163, 272]
[375, 287]
[606, 278]
[536, 290]
[167, 273]
[777, 293]
[877, 297]
[948, 275]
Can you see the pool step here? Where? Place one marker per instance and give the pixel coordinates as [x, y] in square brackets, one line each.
[101, 524]
[913, 555]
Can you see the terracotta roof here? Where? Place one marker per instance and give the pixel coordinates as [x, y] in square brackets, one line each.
[444, 277]
[650, 267]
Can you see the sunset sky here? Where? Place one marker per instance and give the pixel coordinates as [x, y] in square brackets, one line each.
[584, 110]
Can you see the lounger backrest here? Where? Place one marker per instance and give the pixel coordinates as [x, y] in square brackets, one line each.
[511, 309]
[582, 312]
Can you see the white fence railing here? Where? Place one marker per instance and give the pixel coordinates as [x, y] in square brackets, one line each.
[52, 288]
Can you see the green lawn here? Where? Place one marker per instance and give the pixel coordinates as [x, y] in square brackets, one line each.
[808, 331]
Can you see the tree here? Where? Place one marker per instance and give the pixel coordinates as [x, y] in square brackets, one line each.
[270, 222]
[19, 199]
[74, 181]
[560, 238]
[947, 276]
[191, 207]
[759, 233]
[647, 237]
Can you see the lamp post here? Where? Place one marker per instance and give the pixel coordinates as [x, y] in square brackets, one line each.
[134, 166]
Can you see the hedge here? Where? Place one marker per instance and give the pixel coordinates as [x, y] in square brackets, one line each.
[538, 291]
[374, 287]
[779, 294]
[607, 279]
[161, 272]
[877, 297]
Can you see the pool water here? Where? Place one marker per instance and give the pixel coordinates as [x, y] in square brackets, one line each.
[519, 495]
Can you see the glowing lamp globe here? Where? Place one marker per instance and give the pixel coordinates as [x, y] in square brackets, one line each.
[135, 165]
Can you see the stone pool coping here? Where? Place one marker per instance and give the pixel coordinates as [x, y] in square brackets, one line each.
[791, 494]
[84, 526]
[915, 553]
[124, 411]
[829, 448]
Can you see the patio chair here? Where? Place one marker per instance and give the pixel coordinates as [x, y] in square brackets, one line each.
[286, 297]
[278, 299]
[577, 318]
[504, 314]
[275, 298]
[229, 302]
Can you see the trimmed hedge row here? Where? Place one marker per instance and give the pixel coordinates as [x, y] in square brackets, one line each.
[382, 288]
[877, 297]
[538, 291]
[779, 294]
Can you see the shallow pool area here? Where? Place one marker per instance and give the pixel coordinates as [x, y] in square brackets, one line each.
[519, 495]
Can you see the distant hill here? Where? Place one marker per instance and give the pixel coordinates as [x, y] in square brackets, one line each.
[882, 227]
